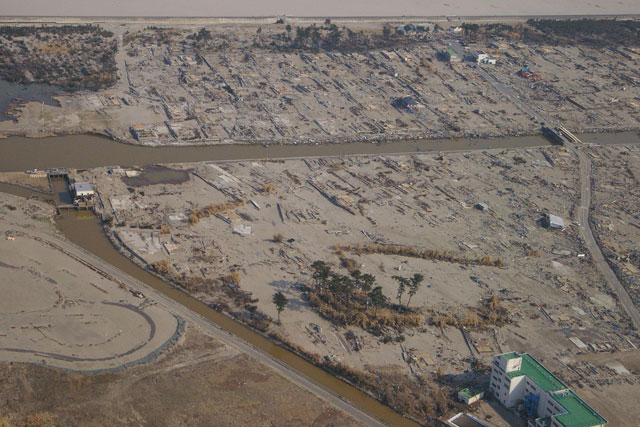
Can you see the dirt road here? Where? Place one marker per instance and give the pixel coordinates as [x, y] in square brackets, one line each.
[590, 241]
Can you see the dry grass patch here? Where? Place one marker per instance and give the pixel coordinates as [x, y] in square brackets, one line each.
[196, 214]
[412, 252]
[160, 267]
[489, 314]
[269, 188]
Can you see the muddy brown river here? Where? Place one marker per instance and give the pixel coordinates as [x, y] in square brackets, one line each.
[84, 229]
[87, 151]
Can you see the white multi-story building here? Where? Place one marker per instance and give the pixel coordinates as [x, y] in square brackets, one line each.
[520, 379]
[480, 56]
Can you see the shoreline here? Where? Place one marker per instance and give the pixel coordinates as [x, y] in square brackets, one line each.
[270, 19]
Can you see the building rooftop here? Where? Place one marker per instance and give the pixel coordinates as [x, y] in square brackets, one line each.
[469, 392]
[579, 414]
[536, 372]
[81, 187]
[555, 221]
[546, 421]
[465, 420]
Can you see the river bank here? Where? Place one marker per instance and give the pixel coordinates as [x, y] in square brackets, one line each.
[88, 151]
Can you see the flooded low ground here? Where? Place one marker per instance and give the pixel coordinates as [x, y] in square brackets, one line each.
[11, 92]
[157, 175]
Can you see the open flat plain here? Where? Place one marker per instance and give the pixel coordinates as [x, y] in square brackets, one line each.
[76, 347]
[270, 220]
[403, 273]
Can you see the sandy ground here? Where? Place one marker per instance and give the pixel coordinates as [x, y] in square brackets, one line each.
[616, 225]
[58, 312]
[552, 291]
[247, 8]
[199, 383]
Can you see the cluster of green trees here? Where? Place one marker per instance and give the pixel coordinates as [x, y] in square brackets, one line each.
[594, 30]
[329, 37]
[354, 299]
[346, 287]
[9, 31]
[597, 32]
[71, 57]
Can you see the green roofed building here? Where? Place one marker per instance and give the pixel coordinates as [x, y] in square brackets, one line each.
[451, 55]
[518, 379]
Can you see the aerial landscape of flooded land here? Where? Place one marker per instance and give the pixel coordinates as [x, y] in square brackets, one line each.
[321, 221]
[272, 84]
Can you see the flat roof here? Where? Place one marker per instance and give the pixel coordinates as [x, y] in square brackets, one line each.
[537, 373]
[469, 392]
[510, 356]
[579, 414]
[82, 187]
[465, 420]
[553, 219]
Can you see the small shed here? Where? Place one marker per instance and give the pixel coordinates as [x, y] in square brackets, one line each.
[242, 229]
[83, 190]
[554, 222]
[464, 420]
[408, 102]
[451, 56]
[481, 206]
[470, 395]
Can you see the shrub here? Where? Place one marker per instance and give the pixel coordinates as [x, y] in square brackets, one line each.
[350, 264]
[232, 278]
[269, 188]
[213, 209]
[160, 267]
[277, 238]
[39, 420]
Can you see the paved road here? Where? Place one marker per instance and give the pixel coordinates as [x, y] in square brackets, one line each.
[174, 307]
[592, 244]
